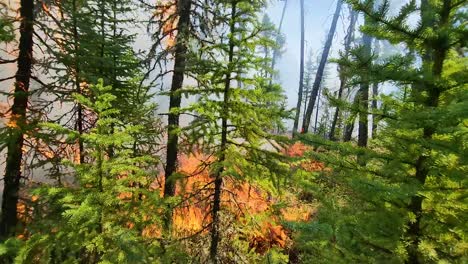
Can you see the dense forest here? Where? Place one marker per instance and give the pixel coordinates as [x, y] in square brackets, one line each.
[368, 168]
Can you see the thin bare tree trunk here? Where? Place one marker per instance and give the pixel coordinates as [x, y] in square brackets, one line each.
[375, 94]
[363, 95]
[79, 107]
[301, 75]
[215, 236]
[321, 69]
[15, 140]
[275, 51]
[349, 128]
[347, 47]
[375, 119]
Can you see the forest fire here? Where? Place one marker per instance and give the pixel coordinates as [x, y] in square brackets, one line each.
[241, 199]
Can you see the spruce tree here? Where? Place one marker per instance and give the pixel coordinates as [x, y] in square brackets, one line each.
[105, 215]
[230, 90]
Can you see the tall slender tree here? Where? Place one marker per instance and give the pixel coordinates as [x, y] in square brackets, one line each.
[301, 74]
[18, 123]
[363, 93]
[180, 60]
[321, 68]
[278, 38]
[347, 45]
[230, 89]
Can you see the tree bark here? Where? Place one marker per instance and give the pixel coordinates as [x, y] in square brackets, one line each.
[301, 75]
[349, 39]
[321, 69]
[79, 107]
[375, 94]
[9, 218]
[375, 118]
[349, 128]
[183, 9]
[215, 236]
[363, 94]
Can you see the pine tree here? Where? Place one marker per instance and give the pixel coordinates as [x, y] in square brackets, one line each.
[222, 131]
[105, 214]
[14, 136]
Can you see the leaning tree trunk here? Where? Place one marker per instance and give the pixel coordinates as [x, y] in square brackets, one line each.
[347, 47]
[218, 176]
[301, 75]
[15, 140]
[321, 69]
[183, 9]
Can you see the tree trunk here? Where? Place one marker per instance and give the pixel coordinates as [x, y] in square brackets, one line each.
[349, 39]
[375, 119]
[9, 220]
[321, 68]
[215, 236]
[183, 9]
[375, 94]
[363, 94]
[79, 107]
[275, 51]
[301, 75]
[349, 128]
[317, 111]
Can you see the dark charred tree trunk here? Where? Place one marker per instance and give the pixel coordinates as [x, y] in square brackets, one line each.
[79, 107]
[9, 218]
[375, 118]
[215, 236]
[349, 39]
[375, 94]
[321, 69]
[301, 75]
[363, 95]
[183, 9]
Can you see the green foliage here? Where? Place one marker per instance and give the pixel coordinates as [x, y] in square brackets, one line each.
[102, 216]
[6, 26]
[369, 201]
[253, 107]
